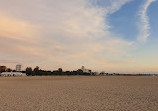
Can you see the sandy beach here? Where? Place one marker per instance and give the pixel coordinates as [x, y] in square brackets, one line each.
[79, 93]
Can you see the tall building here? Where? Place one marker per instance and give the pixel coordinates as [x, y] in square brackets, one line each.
[18, 67]
[83, 68]
[3, 68]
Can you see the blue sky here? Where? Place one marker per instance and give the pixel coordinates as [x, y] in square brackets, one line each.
[125, 20]
[102, 35]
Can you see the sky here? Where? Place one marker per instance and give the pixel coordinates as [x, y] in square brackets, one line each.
[102, 35]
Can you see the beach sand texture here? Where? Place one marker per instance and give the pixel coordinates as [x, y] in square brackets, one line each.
[79, 93]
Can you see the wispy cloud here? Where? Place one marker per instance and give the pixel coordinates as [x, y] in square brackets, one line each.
[15, 29]
[144, 26]
[67, 33]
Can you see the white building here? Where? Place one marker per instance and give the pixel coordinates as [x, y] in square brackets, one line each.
[85, 70]
[18, 67]
[8, 74]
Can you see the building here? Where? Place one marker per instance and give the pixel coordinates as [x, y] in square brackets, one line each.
[10, 74]
[18, 67]
[3, 69]
[85, 70]
[82, 68]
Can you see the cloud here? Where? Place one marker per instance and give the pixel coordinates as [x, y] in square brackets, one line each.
[8, 61]
[67, 33]
[144, 26]
[15, 29]
[112, 6]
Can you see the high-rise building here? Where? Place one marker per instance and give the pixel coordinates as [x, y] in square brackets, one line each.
[83, 68]
[18, 67]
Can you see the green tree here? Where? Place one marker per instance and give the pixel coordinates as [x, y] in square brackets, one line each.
[28, 71]
[9, 69]
[36, 71]
[60, 71]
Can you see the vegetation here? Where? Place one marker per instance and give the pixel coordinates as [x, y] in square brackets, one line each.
[38, 72]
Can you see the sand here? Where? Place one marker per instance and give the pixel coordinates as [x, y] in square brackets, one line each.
[79, 93]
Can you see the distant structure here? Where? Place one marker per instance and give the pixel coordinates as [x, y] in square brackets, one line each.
[9, 74]
[85, 70]
[82, 68]
[3, 68]
[18, 67]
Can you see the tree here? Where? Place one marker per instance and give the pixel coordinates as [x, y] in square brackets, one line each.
[79, 72]
[9, 70]
[28, 71]
[60, 70]
[36, 71]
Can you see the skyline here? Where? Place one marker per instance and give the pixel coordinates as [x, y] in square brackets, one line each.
[103, 35]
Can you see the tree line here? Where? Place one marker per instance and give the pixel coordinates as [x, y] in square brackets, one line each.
[38, 72]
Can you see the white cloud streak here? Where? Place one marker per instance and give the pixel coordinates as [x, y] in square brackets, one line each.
[144, 26]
